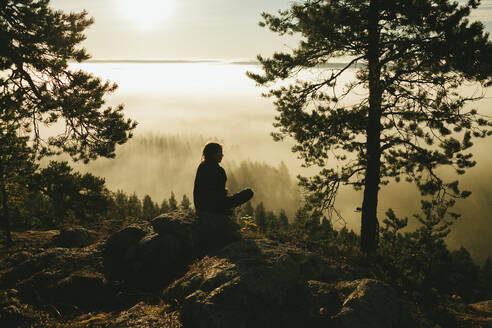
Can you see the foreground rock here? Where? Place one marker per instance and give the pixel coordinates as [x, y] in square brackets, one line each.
[265, 284]
[129, 280]
[472, 315]
[74, 237]
[154, 254]
[66, 278]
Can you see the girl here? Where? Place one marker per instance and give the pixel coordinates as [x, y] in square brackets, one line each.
[209, 192]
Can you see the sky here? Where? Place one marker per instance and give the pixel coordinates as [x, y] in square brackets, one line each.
[177, 29]
[188, 29]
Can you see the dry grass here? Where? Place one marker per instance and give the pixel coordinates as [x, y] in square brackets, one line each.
[139, 316]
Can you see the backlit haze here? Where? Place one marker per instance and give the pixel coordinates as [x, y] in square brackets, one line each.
[180, 66]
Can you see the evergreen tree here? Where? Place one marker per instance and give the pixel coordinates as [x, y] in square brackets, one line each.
[260, 217]
[70, 193]
[283, 220]
[149, 208]
[16, 167]
[465, 274]
[271, 221]
[165, 206]
[120, 205]
[173, 203]
[325, 229]
[410, 58]
[37, 87]
[185, 203]
[134, 206]
[486, 279]
[37, 90]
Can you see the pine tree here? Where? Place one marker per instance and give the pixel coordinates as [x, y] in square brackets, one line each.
[261, 217]
[120, 205]
[37, 87]
[149, 208]
[410, 59]
[486, 279]
[185, 203]
[283, 220]
[465, 274]
[165, 206]
[84, 196]
[38, 90]
[16, 167]
[173, 203]
[134, 206]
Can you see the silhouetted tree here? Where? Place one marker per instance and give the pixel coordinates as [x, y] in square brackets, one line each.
[37, 89]
[149, 208]
[16, 168]
[283, 220]
[120, 205]
[83, 196]
[165, 206]
[410, 58]
[173, 203]
[465, 274]
[260, 217]
[486, 279]
[134, 208]
[185, 203]
[271, 221]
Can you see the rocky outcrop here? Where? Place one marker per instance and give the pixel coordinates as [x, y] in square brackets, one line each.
[14, 313]
[74, 237]
[152, 255]
[69, 278]
[181, 270]
[472, 315]
[371, 303]
[261, 283]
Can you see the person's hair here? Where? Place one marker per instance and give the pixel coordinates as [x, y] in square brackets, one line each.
[210, 149]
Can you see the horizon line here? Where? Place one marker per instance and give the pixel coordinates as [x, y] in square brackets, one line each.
[192, 61]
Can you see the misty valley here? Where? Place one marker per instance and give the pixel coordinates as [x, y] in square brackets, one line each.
[341, 179]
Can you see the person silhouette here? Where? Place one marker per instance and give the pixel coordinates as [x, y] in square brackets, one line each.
[209, 192]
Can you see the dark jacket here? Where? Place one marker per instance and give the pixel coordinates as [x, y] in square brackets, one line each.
[209, 192]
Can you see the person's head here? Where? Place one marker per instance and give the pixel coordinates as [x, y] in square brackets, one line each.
[212, 152]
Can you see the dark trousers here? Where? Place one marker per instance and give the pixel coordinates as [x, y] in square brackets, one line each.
[238, 199]
[228, 203]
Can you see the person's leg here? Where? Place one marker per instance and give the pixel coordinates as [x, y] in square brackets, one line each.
[240, 198]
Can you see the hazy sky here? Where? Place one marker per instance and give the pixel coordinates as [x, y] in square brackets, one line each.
[188, 29]
[226, 29]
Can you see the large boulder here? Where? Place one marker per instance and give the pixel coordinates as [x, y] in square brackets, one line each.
[369, 304]
[259, 283]
[120, 252]
[153, 254]
[70, 278]
[74, 237]
[198, 233]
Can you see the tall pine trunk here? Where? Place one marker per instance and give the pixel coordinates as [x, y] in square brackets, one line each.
[369, 221]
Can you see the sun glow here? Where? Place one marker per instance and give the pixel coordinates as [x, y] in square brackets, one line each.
[146, 14]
